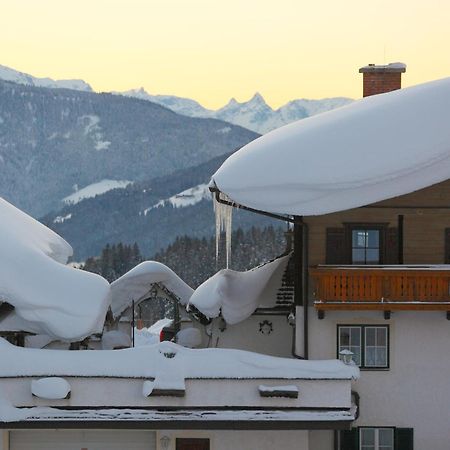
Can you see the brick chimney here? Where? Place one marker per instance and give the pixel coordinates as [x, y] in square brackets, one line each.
[380, 79]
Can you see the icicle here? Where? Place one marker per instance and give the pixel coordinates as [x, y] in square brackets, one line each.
[224, 215]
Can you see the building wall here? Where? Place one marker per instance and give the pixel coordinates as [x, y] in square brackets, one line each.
[243, 440]
[424, 228]
[414, 392]
[253, 335]
[199, 393]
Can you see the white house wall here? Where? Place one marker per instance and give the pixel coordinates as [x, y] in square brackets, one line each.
[244, 440]
[414, 392]
[203, 393]
[246, 335]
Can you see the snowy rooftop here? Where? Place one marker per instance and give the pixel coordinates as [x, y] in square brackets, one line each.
[377, 148]
[164, 361]
[236, 295]
[57, 300]
[137, 283]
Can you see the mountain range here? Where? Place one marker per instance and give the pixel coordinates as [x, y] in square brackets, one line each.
[54, 142]
[152, 213]
[255, 114]
[122, 168]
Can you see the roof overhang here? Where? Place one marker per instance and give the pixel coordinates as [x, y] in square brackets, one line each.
[194, 419]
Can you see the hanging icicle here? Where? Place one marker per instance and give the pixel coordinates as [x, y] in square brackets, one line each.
[224, 215]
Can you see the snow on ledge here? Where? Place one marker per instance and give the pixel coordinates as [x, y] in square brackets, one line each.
[377, 148]
[179, 415]
[166, 361]
[51, 388]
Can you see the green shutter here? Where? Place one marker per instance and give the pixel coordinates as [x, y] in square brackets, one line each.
[349, 439]
[404, 439]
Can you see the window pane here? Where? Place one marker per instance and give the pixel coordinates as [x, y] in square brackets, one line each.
[372, 256]
[358, 256]
[386, 438]
[381, 336]
[370, 335]
[359, 238]
[373, 238]
[370, 357]
[368, 436]
[355, 336]
[356, 355]
[344, 336]
[381, 357]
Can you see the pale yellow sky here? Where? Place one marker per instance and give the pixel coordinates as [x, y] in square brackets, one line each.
[211, 50]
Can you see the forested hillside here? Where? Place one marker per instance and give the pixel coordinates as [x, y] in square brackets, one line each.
[194, 259]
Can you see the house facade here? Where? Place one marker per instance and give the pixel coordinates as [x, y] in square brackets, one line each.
[379, 287]
[367, 190]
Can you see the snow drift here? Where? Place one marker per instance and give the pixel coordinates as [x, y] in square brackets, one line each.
[57, 300]
[136, 284]
[236, 295]
[377, 148]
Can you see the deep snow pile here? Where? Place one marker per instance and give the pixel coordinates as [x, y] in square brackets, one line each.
[136, 284]
[57, 300]
[163, 361]
[236, 294]
[377, 148]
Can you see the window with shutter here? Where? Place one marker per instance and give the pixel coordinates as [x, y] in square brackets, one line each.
[348, 439]
[404, 439]
[336, 251]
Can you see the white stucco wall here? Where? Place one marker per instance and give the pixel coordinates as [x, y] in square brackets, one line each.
[246, 335]
[415, 391]
[202, 393]
[243, 440]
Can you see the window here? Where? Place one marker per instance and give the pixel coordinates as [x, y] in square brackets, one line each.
[368, 343]
[366, 246]
[376, 439]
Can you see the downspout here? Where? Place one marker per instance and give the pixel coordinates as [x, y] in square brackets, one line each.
[305, 291]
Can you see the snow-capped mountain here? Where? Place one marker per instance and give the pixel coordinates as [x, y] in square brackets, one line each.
[255, 114]
[9, 74]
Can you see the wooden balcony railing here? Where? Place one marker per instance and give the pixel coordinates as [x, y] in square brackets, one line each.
[381, 287]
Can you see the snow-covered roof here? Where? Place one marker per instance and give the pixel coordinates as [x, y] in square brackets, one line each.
[57, 300]
[238, 294]
[229, 417]
[377, 148]
[137, 283]
[165, 360]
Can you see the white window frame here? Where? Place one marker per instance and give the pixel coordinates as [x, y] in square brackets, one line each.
[363, 346]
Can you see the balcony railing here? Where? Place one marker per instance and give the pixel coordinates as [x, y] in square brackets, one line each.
[381, 287]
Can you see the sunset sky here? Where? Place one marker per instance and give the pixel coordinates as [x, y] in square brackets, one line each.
[212, 50]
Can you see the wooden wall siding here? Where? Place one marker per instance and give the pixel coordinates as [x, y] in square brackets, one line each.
[424, 228]
[380, 288]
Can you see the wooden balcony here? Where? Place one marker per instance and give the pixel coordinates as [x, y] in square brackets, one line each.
[386, 288]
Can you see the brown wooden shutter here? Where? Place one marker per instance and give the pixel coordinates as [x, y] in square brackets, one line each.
[391, 247]
[447, 246]
[336, 252]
